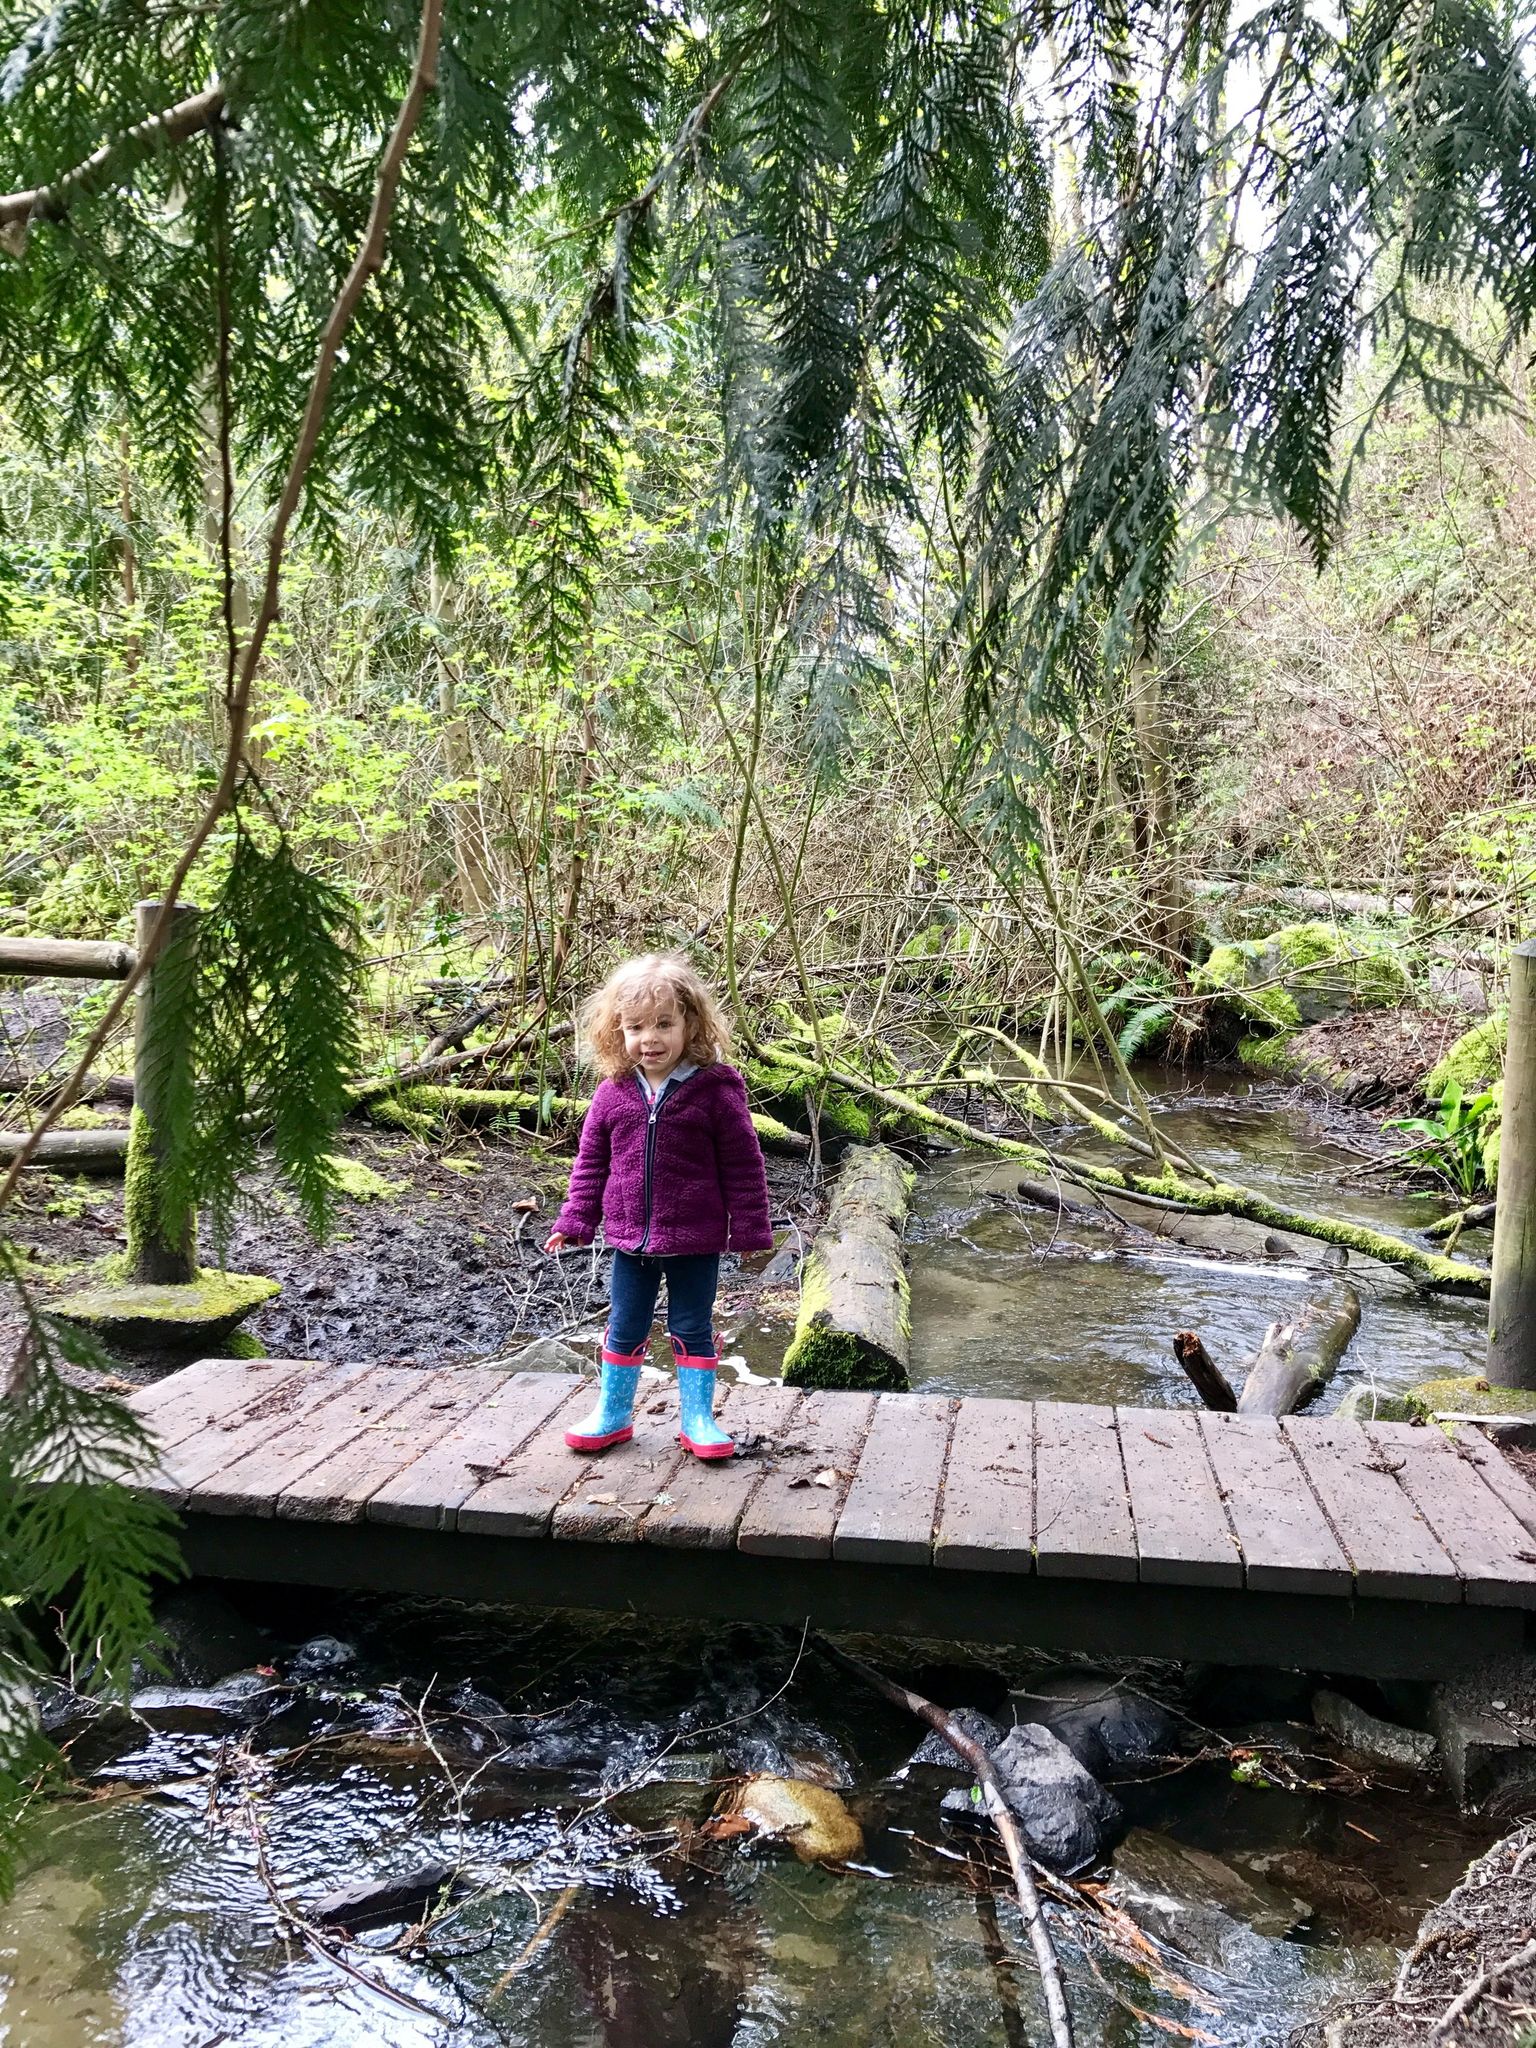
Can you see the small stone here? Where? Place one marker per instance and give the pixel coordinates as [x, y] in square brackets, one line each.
[544, 1354]
[384, 1901]
[935, 1751]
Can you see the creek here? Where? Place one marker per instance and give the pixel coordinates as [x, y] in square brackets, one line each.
[149, 1908]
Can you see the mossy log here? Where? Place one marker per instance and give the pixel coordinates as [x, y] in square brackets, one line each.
[854, 1326]
[1217, 1198]
[72, 1151]
[1299, 1356]
[485, 1105]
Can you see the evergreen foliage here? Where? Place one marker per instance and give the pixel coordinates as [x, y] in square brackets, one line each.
[78, 1548]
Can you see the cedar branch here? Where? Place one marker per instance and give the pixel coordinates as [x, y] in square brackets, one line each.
[114, 160]
[365, 266]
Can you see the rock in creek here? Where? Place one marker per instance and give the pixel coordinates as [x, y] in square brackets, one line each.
[1201, 1905]
[813, 1820]
[544, 1354]
[383, 1901]
[1109, 1727]
[1067, 1818]
[935, 1751]
[200, 1710]
[321, 1657]
[1378, 1742]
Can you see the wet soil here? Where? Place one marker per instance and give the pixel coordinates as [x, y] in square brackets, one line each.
[1378, 1058]
[447, 1266]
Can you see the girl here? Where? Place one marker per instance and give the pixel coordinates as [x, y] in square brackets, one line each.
[671, 1164]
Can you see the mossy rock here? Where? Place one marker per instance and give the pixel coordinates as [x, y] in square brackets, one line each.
[202, 1313]
[1374, 1404]
[1472, 1061]
[1283, 1058]
[1302, 974]
[1471, 1396]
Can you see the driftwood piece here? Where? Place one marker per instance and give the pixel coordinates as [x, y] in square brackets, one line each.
[72, 1151]
[1205, 1375]
[854, 1326]
[1299, 1356]
[1472, 1218]
[1001, 1816]
[80, 959]
[1044, 1194]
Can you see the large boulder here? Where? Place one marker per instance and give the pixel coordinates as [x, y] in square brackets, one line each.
[1201, 1905]
[1066, 1817]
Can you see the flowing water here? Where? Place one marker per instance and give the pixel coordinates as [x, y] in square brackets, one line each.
[562, 1754]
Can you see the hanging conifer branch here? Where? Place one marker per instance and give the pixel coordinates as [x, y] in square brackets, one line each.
[111, 163]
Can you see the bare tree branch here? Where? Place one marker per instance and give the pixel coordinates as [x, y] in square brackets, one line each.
[107, 165]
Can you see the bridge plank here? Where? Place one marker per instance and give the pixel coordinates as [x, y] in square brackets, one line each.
[227, 1439]
[893, 1502]
[1391, 1545]
[428, 1492]
[205, 1395]
[1497, 1473]
[1286, 1543]
[709, 1496]
[1183, 1537]
[1482, 1536]
[338, 1488]
[251, 1483]
[987, 1519]
[791, 1514]
[630, 1478]
[1083, 1526]
[534, 1480]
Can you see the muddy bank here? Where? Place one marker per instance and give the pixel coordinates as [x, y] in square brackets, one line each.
[1469, 1979]
[440, 1259]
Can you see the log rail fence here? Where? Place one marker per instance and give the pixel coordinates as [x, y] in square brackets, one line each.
[161, 1256]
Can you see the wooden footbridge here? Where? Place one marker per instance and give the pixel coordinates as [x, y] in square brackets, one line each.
[1379, 1549]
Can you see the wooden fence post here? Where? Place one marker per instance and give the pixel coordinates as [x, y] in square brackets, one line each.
[157, 1256]
[1512, 1302]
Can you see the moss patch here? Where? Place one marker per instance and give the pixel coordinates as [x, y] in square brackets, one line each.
[1474, 1396]
[203, 1312]
[823, 1357]
[361, 1184]
[1476, 1058]
[1372, 1404]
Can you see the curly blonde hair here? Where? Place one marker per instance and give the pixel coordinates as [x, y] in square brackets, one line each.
[653, 977]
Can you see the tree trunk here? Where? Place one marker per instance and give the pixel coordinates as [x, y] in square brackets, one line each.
[161, 1252]
[1512, 1301]
[1298, 1357]
[854, 1326]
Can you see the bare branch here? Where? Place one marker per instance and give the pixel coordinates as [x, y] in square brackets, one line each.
[107, 165]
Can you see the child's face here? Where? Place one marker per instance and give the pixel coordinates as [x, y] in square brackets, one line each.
[654, 1035]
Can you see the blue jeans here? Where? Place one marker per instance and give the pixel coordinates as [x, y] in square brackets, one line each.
[691, 1283]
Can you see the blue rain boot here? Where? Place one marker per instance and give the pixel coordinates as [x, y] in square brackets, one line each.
[696, 1406]
[610, 1421]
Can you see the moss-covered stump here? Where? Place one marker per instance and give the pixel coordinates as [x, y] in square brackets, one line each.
[1300, 975]
[201, 1313]
[1472, 1396]
[854, 1326]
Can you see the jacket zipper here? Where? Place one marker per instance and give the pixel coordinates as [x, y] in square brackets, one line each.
[654, 1110]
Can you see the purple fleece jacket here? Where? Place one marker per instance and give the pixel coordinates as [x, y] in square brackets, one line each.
[702, 1188]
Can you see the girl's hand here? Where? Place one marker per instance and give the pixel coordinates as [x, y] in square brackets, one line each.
[556, 1241]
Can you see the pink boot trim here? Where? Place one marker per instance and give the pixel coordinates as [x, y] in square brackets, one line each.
[599, 1443]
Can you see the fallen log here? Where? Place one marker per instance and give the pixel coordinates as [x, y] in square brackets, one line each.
[1170, 1190]
[71, 1151]
[1296, 1358]
[485, 1105]
[1205, 1375]
[1472, 1218]
[854, 1327]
